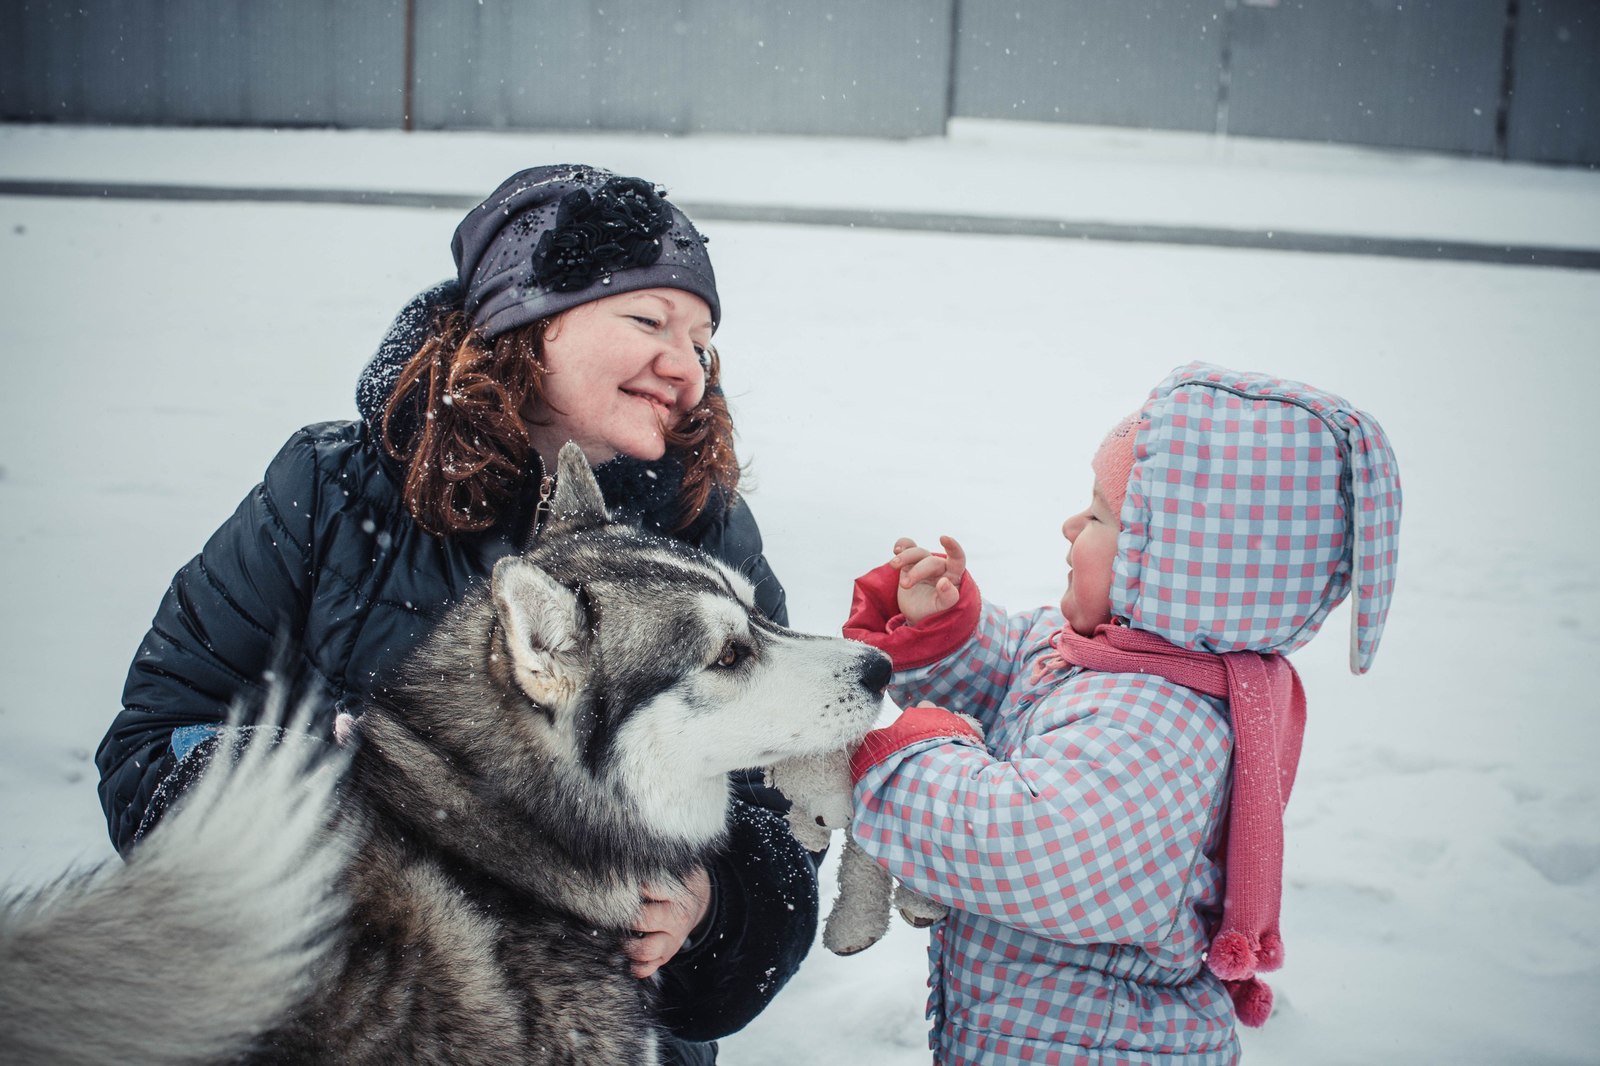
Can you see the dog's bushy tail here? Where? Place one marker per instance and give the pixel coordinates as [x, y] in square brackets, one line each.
[205, 938]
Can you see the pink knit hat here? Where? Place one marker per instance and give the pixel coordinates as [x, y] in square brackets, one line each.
[1113, 462]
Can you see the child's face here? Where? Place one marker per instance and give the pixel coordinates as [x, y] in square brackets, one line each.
[1093, 535]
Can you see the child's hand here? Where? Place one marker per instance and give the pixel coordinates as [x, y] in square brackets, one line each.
[929, 583]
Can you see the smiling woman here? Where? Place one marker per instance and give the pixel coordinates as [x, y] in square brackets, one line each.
[620, 373]
[582, 309]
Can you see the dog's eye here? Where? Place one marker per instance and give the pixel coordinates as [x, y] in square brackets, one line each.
[733, 653]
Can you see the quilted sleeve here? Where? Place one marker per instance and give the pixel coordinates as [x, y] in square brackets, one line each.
[214, 635]
[762, 922]
[975, 677]
[1087, 831]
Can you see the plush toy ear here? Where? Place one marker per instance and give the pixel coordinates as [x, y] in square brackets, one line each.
[577, 503]
[818, 787]
[542, 621]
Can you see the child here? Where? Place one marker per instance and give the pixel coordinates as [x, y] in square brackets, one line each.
[1111, 848]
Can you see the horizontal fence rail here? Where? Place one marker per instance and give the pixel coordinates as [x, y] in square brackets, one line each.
[1276, 240]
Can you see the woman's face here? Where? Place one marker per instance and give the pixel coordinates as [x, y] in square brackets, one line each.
[618, 370]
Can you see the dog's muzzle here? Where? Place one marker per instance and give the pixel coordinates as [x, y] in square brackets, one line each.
[875, 672]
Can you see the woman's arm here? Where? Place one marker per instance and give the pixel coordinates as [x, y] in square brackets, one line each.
[762, 922]
[213, 638]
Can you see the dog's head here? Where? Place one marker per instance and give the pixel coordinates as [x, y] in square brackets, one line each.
[647, 664]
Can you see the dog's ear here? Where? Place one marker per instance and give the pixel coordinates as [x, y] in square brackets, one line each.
[577, 503]
[542, 621]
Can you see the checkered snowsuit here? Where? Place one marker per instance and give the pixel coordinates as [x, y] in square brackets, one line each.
[1079, 845]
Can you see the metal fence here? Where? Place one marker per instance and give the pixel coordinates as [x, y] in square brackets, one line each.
[1517, 79]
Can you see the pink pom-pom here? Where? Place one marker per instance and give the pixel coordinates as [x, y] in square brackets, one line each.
[1270, 957]
[1252, 1001]
[1231, 957]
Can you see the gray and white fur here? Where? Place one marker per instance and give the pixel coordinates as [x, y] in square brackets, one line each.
[206, 937]
[564, 736]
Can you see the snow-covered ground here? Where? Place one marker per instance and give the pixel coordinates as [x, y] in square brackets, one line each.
[1442, 897]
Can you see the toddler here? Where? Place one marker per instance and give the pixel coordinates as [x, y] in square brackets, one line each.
[1111, 848]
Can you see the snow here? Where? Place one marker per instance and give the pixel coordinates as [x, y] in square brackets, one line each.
[1442, 897]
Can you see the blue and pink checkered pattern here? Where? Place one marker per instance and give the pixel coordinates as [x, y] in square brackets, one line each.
[1074, 848]
[1254, 505]
[1076, 844]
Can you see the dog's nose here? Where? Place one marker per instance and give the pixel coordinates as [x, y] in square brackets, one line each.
[876, 671]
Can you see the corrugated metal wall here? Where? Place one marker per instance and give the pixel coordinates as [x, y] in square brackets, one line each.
[240, 62]
[1397, 73]
[1514, 78]
[1554, 113]
[1150, 63]
[682, 66]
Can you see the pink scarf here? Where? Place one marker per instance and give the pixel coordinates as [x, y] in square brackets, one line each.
[1268, 708]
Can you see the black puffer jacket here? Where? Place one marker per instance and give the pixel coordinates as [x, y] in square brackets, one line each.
[322, 561]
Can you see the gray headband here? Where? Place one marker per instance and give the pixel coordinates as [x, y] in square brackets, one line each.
[553, 237]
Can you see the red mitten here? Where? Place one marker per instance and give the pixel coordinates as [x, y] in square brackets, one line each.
[914, 724]
[875, 619]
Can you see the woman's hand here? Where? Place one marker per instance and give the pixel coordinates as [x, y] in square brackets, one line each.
[667, 915]
[929, 583]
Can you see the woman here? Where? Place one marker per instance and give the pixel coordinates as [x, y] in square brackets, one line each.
[582, 309]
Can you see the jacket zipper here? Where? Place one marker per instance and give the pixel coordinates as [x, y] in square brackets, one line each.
[547, 488]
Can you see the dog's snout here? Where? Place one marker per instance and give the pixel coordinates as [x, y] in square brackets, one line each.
[876, 671]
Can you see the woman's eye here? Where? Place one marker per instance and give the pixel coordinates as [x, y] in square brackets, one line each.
[733, 653]
[705, 357]
[644, 320]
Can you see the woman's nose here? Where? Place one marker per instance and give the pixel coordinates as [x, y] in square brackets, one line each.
[679, 360]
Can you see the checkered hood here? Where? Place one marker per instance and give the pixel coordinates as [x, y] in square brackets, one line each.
[1254, 507]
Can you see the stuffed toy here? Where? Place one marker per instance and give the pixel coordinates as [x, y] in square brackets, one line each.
[821, 800]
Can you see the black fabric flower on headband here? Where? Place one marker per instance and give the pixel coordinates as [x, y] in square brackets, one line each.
[618, 226]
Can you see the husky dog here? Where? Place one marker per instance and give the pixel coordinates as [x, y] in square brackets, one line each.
[562, 737]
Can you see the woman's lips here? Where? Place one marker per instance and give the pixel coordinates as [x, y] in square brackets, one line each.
[663, 405]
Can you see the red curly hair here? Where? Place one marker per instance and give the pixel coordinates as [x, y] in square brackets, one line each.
[454, 421]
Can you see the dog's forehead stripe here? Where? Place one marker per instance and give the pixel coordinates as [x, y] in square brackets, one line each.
[625, 562]
[726, 617]
[737, 583]
[660, 571]
[624, 555]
